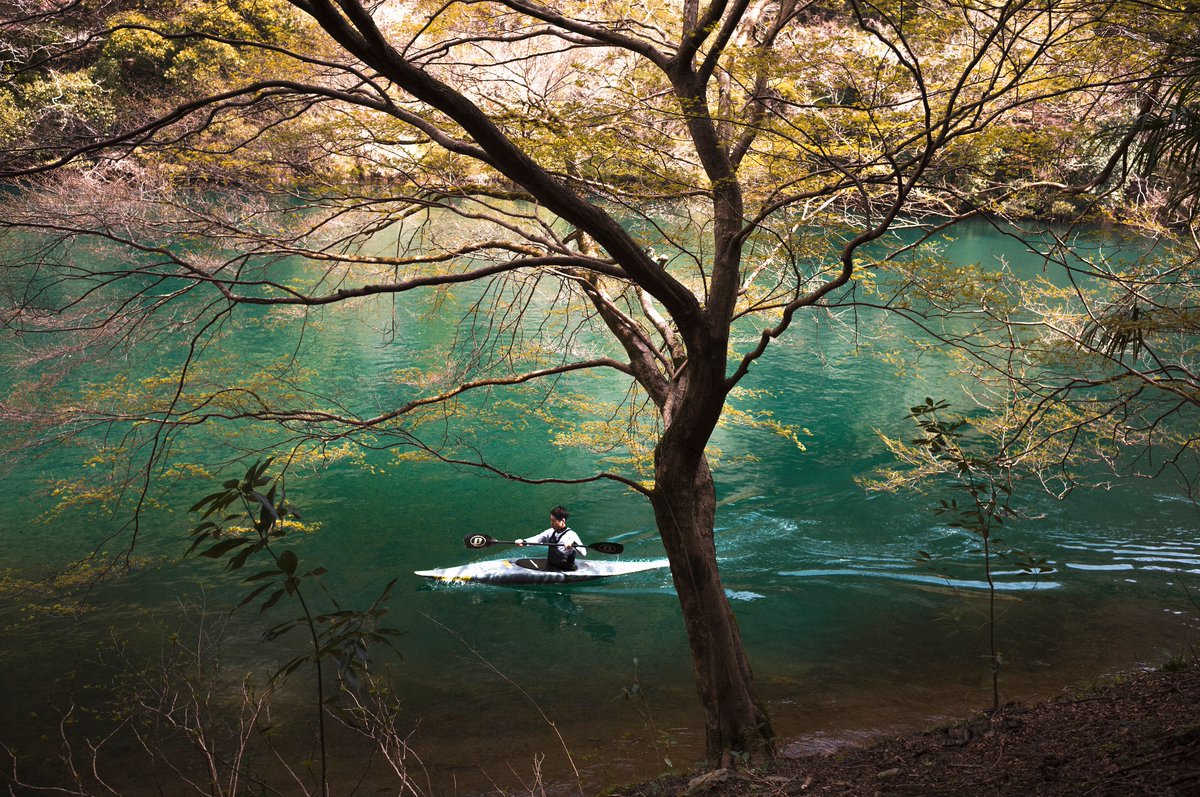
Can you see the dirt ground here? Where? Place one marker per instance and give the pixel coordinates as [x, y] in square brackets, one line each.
[1132, 735]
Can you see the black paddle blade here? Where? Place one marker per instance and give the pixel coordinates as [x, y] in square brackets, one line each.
[606, 547]
[478, 540]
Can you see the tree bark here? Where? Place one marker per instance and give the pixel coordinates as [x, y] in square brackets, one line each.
[684, 501]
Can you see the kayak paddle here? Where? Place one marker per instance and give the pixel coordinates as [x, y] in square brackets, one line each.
[485, 541]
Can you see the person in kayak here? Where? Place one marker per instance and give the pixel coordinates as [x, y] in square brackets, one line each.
[562, 540]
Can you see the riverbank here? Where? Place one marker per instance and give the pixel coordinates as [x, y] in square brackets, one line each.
[1131, 735]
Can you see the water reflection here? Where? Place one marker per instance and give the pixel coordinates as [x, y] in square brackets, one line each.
[558, 610]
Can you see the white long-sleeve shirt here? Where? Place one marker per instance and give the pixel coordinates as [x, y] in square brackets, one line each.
[569, 536]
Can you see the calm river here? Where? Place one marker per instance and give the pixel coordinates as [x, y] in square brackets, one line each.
[498, 686]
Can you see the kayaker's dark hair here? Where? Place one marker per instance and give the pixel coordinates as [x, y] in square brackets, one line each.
[559, 513]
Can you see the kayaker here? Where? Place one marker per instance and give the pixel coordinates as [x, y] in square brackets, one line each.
[562, 540]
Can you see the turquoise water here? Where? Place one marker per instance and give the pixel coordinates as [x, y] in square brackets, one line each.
[846, 632]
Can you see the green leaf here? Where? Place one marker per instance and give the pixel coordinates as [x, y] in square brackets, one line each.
[342, 614]
[254, 476]
[292, 666]
[238, 561]
[222, 503]
[283, 672]
[206, 499]
[271, 601]
[287, 562]
[223, 547]
[277, 631]
[266, 503]
[257, 591]
[199, 541]
[260, 576]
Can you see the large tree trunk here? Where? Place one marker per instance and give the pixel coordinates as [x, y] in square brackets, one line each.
[684, 502]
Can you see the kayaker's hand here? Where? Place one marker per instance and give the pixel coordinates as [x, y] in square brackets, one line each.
[519, 543]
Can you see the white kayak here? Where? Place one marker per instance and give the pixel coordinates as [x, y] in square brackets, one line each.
[534, 571]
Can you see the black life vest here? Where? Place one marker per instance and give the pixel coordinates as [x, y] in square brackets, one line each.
[556, 557]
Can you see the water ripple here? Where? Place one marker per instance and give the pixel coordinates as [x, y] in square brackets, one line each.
[1007, 586]
[1170, 555]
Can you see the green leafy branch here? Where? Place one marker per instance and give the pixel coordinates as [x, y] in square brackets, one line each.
[988, 483]
[341, 634]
